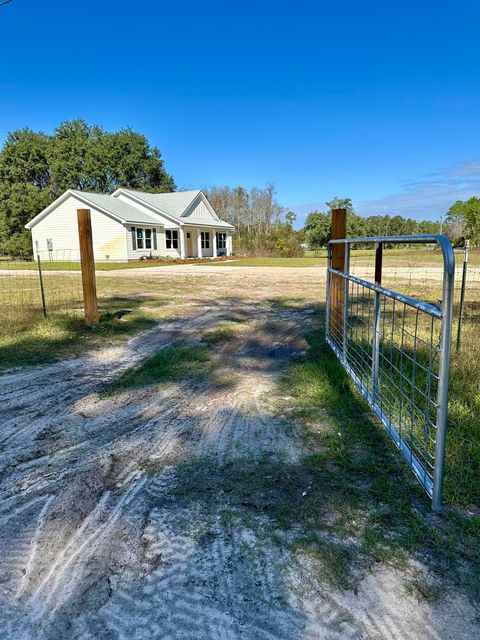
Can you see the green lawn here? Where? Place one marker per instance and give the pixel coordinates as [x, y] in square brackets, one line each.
[127, 306]
[392, 257]
[75, 265]
[303, 261]
[420, 257]
[357, 472]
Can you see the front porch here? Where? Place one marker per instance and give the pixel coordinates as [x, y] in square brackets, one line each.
[205, 242]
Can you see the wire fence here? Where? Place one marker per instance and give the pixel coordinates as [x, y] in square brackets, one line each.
[396, 348]
[419, 272]
[31, 290]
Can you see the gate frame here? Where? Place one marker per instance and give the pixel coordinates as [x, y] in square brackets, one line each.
[442, 312]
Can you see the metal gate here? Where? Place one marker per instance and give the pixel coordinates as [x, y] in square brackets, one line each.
[396, 349]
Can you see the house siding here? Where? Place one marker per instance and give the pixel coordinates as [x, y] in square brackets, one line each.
[61, 226]
[136, 254]
[198, 210]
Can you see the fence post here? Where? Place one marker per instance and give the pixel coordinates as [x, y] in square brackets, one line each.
[42, 290]
[376, 321]
[88, 266]
[339, 231]
[462, 294]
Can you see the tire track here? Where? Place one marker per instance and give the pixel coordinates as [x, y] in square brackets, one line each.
[97, 544]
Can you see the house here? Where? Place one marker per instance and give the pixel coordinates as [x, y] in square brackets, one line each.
[129, 225]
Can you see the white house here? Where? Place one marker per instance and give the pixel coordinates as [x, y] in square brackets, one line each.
[128, 225]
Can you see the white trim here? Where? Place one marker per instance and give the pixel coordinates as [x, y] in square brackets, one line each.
[199, 245]
[201, 196]
[146, 204]
[182, 243]
[84, 199]
[181, 220]
[62, 198]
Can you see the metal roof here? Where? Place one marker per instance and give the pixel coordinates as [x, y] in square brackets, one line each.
[174, 204]
[119, 208]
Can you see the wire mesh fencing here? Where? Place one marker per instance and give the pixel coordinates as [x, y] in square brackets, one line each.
[396, 349]
[49, 286]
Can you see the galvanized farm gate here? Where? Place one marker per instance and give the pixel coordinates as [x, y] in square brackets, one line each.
[396, 349]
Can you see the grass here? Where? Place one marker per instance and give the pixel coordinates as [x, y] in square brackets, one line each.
[74, 265]
[359, 463]
[403, 257]
[301, 261]
[127, 306]
[462, 480]
[167, 365]
[48, 339]
[349, 503]
[222, 332]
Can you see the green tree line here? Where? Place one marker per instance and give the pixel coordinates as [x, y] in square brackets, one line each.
[317, 228]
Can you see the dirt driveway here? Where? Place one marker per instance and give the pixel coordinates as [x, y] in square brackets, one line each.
[105, 531]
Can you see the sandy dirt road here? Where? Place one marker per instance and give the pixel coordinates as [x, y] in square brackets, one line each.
[97, 541]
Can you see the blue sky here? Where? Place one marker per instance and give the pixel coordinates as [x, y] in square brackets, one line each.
[378, 101]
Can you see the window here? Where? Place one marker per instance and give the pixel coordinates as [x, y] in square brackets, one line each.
[171, 237]
[221, 240]
[148, 238]
[205, 240]
[139, 238]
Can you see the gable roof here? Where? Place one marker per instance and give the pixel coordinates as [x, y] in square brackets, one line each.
[117, 209]
[175, 205]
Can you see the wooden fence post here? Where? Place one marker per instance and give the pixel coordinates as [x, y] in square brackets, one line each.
[339, 231]
[88, 266]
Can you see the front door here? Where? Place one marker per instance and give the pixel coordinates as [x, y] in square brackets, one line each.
[189, 245]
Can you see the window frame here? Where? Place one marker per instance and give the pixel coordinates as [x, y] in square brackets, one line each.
[139, 238]
[171, 238]
[221, 240]
[205, 239]
[148, 238]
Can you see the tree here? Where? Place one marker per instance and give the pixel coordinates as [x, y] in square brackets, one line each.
[35, 168]
[469, 212]
[262, 225]
[318, 229]
[456, 231]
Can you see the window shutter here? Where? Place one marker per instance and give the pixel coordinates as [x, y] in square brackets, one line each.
[154, 234]
[134, 239]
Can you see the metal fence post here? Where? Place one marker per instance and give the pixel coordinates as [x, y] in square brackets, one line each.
[346, 269]
[327, 301]
[443, 371]
[376, 321]
[42, 290]
[339, 232]
[462, 293]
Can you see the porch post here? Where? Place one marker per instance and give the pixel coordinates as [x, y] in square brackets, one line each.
[214, 240]
[229, 243]
[199, 243]
[182, 242]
